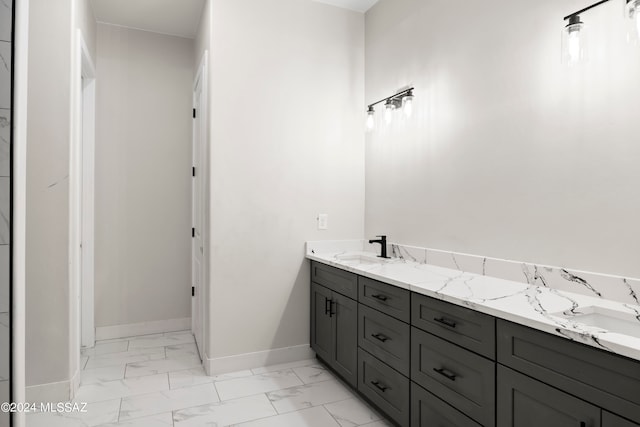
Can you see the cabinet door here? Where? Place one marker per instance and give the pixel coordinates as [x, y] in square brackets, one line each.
[344, 314]
[321, 322]
[610, 420]
[525, 402]
[428, 410]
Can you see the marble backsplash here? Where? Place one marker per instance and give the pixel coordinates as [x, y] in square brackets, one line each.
[616, 288]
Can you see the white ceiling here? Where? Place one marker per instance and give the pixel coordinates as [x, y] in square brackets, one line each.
[175, 17]
[357, 5]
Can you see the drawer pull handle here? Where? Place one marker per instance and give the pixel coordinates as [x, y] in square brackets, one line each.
[446, 322]
[379, 386]
[583, 424]
[447, 374]
[381, 337]
[382, 298]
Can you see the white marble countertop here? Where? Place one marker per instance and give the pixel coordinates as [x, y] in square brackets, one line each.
[528, 305]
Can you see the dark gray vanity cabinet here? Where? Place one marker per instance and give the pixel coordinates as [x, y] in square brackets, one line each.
[428, 410]
[452, 357]
[459, 377]
[610, 420]
[322, 335]
[425, 362]
[387, 388]
[384, 340]
[334, 324]
[562, 374]
[525, 402]
[467, 328]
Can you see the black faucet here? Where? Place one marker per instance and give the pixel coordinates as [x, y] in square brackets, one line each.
[383, 242]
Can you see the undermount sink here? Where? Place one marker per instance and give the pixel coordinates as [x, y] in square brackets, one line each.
[613, 321]
[360, 258]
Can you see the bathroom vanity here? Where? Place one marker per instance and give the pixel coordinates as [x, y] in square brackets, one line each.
[431, 346]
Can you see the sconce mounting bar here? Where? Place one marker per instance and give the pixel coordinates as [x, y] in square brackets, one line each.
[397, 95]
[585, 9]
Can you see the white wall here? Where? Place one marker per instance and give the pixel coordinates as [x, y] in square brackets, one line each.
[510, 154]
[49, 314]
[287, 144]
[143, 176]
[47, 226]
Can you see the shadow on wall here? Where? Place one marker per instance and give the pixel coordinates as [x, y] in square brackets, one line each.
[295, 315]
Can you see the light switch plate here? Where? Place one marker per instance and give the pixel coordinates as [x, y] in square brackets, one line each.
[323, 221]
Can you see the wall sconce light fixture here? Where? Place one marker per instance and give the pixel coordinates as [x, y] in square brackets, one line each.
[632, 11]
[573, 41]
[402, 99]
[573, 34]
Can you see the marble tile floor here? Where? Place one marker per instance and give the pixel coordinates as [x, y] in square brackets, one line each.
[158, 381]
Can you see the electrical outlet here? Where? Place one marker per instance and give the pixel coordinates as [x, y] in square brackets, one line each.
[323, 221]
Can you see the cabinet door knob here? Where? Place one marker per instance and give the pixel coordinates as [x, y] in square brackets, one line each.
[447, 374]
[332, 304]
[327, 305]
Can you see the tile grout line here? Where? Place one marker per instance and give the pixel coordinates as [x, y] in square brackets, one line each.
[138, 376]
[271, 403]
[159, 413]
[119, 409]
[298, 376]
[215, 390]
[264, 392]
[330, 414]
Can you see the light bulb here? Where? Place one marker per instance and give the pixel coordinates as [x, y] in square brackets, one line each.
[632, 13]
[573, 41]
[371, 122]
[389, 108]
[407, 104]
[574, 46]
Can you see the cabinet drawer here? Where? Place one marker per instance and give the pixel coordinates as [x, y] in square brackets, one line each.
[428, 410]
[384, 337]
[335, 279]
[523, 401]
[602, 378]
[391, 300]
[385, 387]
[467, 328]
[462, 378]
[610, 420]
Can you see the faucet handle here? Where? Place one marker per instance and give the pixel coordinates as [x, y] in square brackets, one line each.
[382, 237]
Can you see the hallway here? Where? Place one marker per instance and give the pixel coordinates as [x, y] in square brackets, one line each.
[158, 381]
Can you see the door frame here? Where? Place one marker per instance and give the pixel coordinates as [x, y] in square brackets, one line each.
[88, 330]
[81, 213]
[19, 208]
[201, 79]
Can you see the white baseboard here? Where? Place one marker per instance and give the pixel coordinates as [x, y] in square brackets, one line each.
[49, 393]
[144, 328]
[240, 362]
